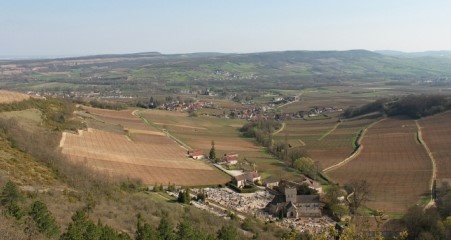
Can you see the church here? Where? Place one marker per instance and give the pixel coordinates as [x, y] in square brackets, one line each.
[288, 203]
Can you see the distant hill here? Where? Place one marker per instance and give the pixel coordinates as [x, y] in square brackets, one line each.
[440, 54]
[265, 70]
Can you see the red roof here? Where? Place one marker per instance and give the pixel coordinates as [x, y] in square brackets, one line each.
[195, 152]
[230, 158]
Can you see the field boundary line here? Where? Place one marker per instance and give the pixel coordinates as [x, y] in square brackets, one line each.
[280, 129]
[431, 157]
[356, 152]
[329, 132]
[179, 142]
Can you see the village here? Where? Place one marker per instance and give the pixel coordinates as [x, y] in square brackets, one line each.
[288, 204]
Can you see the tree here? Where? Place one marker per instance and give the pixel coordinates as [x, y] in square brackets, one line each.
[295, 153]
[44, 220]
[83, 228]
[10, 193]
[185, 230]
[144, 231]
[212, 154]
[184, 196]
[9, 197]
[200, 196]
[303, 164]
[358, 191]
[227, 233]
[331, 198]
[165, 228]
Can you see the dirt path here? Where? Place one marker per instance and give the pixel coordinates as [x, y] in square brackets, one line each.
[434, 166]
[329, 132]
[280, 129]
[178, 141]
[355, 154]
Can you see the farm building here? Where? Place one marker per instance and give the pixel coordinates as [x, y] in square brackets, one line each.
[288, 203]
[196, 154]
[246, 178]
[230, 158]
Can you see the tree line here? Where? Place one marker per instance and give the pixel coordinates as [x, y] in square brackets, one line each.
[413, 106]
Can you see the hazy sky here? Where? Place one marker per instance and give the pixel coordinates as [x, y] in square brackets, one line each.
[82, 27]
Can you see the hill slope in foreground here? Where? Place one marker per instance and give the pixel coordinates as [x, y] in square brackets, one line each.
[145, 153]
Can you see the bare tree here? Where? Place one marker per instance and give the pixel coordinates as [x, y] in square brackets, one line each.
[358, 191]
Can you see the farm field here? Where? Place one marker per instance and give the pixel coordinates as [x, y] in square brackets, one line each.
[327, 141]
[9, 97]
[436, 132]
[198, 132]
[145, 153]
[394, 163]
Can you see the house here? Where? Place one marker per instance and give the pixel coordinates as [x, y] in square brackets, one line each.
[196, 154]
[230, 158]
[239, 181]
[246, 178]
[271, 182]
[288, 203]
[277, 99]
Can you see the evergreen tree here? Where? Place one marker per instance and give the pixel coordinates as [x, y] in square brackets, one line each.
[9, 197]
[82, 228]
[10, 193]
[185, 230]
[212, 154]
[165, 229]
[184, 196]
[181, 197]
[44, 220]
[144, 231]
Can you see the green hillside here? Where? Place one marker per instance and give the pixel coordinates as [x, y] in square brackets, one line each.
[284, 70]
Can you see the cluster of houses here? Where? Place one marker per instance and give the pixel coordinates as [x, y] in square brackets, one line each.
[279, 99]
[227, 159]
[317, 110]
[185, 106]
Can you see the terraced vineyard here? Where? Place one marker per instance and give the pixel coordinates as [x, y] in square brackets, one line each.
[395, 164]
[145, 153]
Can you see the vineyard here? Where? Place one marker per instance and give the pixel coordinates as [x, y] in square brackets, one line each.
[436, 132]
[145, 153]
[198, 132]
[327, 141]
[394, 163]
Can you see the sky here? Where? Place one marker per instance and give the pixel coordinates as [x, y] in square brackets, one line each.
[86, 27]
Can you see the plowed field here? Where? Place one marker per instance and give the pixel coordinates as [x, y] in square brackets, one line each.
[327, 141]
[436, 132]
[395, 164]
